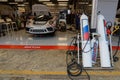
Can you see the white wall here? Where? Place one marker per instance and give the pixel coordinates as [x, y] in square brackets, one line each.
[108, 8]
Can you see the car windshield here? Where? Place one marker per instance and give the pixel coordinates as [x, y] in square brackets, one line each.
[43, 18]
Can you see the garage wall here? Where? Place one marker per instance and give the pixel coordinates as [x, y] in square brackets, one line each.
[56, 9]
[108, 8]
[5, 10]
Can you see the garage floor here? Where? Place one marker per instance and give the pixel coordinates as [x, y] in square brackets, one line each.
[42, 65]
[23, 38]
[27, 64]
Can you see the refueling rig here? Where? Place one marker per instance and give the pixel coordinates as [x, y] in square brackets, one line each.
[93, 50]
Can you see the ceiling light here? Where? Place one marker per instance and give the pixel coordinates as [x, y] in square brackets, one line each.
[44, 0]
[26, 3]
[21, 5]
[50, 4]
[83, 2]
[62, 0]
[62, 4]
[18, 0]
[3, 0]
[13, 3]
[47, 2]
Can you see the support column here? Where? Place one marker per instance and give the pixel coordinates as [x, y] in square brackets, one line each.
[94, 14]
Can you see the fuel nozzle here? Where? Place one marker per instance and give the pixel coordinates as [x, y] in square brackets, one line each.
[95, 35]
[108, 26]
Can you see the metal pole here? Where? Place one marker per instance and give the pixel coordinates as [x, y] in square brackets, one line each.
[78, 42]
[94, 14]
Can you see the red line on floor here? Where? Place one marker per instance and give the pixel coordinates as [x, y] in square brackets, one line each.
[115, 47]
[43, 47]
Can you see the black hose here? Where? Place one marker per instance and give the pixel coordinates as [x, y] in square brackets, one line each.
[73, 68]
[114, 56]
[108, 26]
[85, 46]
[87, 74]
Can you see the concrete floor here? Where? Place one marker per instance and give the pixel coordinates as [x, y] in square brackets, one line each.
[21, 37]
[36, 60]
[43, 65]
[25, 64]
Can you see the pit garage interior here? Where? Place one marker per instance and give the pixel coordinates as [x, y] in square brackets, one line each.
[33, 56]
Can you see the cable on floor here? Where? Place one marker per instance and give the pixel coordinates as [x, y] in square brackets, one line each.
[115, 58]
[73, 68]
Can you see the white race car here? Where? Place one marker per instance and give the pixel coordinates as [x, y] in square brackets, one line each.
[42, 24]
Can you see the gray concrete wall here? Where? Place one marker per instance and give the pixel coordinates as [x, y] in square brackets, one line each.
[108, 8]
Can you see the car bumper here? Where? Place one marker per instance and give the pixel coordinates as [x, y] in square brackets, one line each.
[41, 31]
